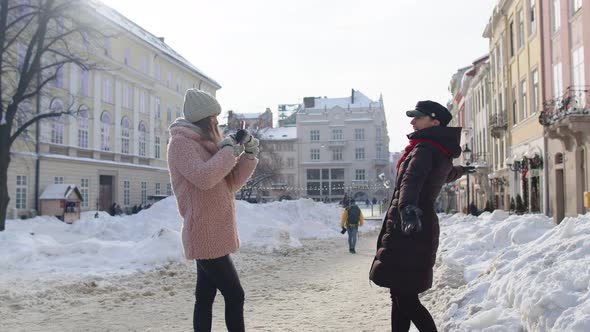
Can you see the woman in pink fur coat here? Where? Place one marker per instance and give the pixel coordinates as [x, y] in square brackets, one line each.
[206, 171]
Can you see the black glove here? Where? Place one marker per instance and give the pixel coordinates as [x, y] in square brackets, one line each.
[411, 219]
[343, 230]
[468, 169]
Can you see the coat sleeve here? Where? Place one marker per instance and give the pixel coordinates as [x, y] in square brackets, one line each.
[414, 176]
[242, 172]
[455, 173]
[185, 159]
[344, 218]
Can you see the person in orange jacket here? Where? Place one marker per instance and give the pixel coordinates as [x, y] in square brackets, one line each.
[352, 218]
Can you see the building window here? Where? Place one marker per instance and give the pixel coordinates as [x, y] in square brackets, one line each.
[158, 71]
[21, 192]
[107, 94]
[314, 135]
[324, 182]
[178, 112]
[359, 153]
[157, 147]
[359, 134]
[105, 131]
[126, 193]
[107, 46]
[169, 114]
[84, 190]
[126, 56]
[142, 138]
[378, 133]
[379, 148]
[520, 40]
[557, 81]
[337, 134]
[142, 97]
[157, 189]
[511, 38]
[555, 17]
[58, 82]
[158, 108]
[290, 179]
[168, 189]
[144, 193]
[126, 95]
[576, 5]
[578, 77]
[168, 79]
[290, 162]
[83, 126]
[143, 65]
[532, 18]
[178, 84]
[514, 119]
[58, 180]
[523, 103]
[359, 174]
[57, 124]
[535, 92]
[84, 82]
[315, 154]
[337, 154]
[125, 135]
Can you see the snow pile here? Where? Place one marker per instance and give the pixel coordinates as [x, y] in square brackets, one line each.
[107, 245]
[519, 272]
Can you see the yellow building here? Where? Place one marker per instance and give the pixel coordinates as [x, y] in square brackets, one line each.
[115, 150]
[515, 66]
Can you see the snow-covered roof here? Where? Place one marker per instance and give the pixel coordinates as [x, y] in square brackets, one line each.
[250, 116]
[60, 191]
[360, 101]
[130, 26]
[277, 134]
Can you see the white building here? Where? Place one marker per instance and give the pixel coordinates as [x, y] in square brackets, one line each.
[342, 147]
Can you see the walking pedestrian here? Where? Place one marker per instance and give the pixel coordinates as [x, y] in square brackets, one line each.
[352, 218]
[206, 170]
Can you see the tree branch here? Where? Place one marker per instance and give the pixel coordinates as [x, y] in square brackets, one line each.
[34, 119]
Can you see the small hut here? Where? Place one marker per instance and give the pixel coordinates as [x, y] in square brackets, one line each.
[61, 201]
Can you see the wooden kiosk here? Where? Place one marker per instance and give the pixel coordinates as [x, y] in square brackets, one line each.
[61, 201]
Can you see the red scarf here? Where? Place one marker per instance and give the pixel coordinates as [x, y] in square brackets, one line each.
[413, 143]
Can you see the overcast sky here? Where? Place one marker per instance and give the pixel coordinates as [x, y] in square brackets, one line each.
[265, 53]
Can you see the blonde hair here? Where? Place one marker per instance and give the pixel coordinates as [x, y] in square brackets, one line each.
[209, 129]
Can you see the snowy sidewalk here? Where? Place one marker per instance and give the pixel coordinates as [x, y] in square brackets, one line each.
[318, 288]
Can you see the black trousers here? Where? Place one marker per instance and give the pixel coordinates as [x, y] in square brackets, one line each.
[407, 308]
[214, 274]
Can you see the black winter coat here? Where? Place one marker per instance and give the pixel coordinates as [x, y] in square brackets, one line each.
[420, 178]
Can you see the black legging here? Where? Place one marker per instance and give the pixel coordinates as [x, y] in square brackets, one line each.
[407, 308]
[214, 274]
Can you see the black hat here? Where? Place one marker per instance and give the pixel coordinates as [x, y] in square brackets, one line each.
[432, 109]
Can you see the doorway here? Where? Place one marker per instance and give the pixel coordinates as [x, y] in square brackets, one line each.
[559, 196]
[105, 195]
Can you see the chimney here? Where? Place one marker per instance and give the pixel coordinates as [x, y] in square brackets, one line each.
[308, 102]
[352, 97]
[161, 39]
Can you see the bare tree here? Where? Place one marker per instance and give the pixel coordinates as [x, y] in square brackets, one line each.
[37, 39]
[267, 170]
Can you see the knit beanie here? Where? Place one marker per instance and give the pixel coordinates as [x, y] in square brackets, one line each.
[198, 105]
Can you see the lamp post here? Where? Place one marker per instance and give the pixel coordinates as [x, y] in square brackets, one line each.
[467, 157]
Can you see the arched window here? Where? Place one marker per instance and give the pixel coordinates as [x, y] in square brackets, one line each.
[57, 124]
[105, 131]
[83, 127]
[142, 138]
[125, 128]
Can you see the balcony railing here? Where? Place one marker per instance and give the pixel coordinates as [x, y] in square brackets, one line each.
[381, 162]
[498, 124]
[574, 102]
[360, 183]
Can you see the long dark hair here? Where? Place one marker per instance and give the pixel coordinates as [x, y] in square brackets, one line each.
[209, 129]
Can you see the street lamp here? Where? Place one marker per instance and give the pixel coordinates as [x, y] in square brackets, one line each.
[467, 157]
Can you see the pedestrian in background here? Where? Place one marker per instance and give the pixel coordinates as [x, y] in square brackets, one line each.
[352, 218]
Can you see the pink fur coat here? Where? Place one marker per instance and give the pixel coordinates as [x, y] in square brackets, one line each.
[204, 190]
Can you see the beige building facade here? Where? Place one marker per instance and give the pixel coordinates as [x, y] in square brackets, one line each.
[114, 150]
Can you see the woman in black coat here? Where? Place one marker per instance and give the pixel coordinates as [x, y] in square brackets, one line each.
[408, 241]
